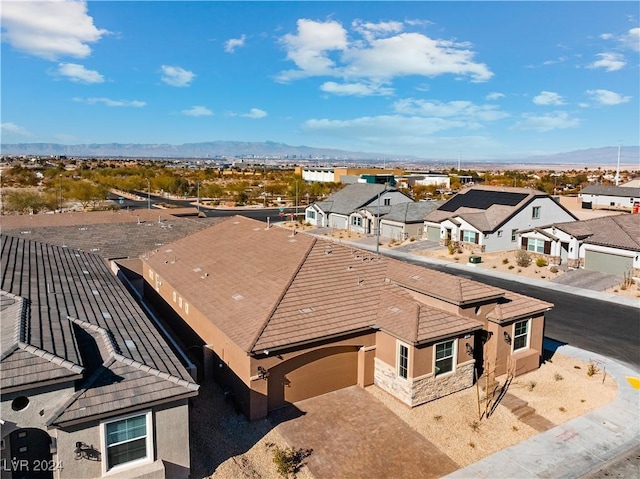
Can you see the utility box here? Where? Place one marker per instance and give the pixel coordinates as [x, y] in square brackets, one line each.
[475, 259]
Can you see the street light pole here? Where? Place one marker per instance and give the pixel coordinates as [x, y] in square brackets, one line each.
[60, 186]
[148, 194]
[198, 202]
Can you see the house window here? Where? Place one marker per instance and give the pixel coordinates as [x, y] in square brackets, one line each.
[521, 335]
[128, 440]
[180, 302]
[186, 308]
[356, 221]
[535, 213]
[151, 274]
[403, 361]
[387, 202]
[311, 214]
[175, 296]
[514, 235]
[499, 233]
[469, 236]
[535, 245]
[444, 357]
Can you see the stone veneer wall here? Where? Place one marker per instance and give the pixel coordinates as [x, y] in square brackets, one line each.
[427, 388]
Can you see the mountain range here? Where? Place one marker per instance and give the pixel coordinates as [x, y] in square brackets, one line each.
[629, 155]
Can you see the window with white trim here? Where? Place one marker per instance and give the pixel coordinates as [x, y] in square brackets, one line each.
[535, 245]
[521, 335]
[499, 233]
[514, 235]
[403, 361]
[356, 220]
[469, 236]
[128, 441]
[311, 214]
[535, 213]
[387, 202]
[444, 357]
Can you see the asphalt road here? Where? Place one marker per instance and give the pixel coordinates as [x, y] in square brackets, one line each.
[600, 326]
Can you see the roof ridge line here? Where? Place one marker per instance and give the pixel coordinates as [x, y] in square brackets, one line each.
[282, 294]
[74, 397]
[52, 358]
[116, 355]
[615, 220]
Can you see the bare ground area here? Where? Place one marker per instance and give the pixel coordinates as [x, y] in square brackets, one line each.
[225, 445]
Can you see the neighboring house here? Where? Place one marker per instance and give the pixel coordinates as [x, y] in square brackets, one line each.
[343, 209]
[622, 198]
[424, 179]
[337, 174]
[283, 318]
[89, 388]
[610, 244]
[487, 219]
[406, 220]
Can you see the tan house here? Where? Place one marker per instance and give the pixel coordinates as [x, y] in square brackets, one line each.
[286, 317]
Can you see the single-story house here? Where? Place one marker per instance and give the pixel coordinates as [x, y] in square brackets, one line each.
[405, 220]
[285, 317]
[341, 210]
[610, 244]
[622, 198]
[487, 219]
[88, 386]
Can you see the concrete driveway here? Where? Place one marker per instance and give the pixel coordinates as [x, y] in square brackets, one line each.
[593, 280]
[354, 435]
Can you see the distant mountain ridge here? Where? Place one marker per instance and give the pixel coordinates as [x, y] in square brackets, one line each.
[629, 155]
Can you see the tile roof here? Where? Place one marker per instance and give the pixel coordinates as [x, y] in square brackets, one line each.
[485, 207]
[516, 306]
[289, 293]
[58, 284]
[618, 231]
[119, 234]
[352, 197]
[624, 191]
[411, 212]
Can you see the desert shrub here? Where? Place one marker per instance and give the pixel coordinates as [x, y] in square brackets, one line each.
[558, 377]
[475, 426]
[541, 262]
[450, 248]
[438, 417]
[592, 369]
[412, 239]
[511, 266]
[505, 261]
[531, 385]
[553, 269]
[289, 460]
[522, 258]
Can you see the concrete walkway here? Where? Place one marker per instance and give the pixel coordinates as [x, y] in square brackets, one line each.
[577, 447]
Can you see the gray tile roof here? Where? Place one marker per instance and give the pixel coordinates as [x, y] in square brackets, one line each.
[618, 231]
[60, 284]
[352, 197]
[412, 212]
[624, 191]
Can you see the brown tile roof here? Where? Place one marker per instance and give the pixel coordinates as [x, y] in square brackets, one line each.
[515, 306]
[618, 231]
[61, 283]
[292, 293]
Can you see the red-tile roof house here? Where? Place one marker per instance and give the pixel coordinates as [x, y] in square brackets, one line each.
[285, 317]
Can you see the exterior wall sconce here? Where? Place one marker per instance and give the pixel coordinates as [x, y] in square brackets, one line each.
[469, 349]
[82, 451]
[262, 373]
[507, 338]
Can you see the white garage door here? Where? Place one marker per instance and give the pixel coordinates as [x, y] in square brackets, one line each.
[433, 233]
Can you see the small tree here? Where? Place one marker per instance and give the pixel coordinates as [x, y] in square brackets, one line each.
[522, 258]
[289, 460]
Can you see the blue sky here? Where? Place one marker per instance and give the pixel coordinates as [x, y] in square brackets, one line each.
[483, 80]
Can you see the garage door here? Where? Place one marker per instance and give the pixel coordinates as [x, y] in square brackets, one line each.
[607, 263]
[312, 374]
[433, 233]
[391, 231]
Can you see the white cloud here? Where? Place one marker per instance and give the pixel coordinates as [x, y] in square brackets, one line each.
[494, 95]
[548, 98]
[369, 128]
[110, 102]
[49, 29]
[233, 43]
[323, 49]
[255, 113]
[609, 61]
[355, 89]
[13, 129]
[607, 97]
[459, 110]
[632, 39]
[551, 121]
[606, 36]
[553, 62]
[197, 110]
[78, 73]
[176, 76]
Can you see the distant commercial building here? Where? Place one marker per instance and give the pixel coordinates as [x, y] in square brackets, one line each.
[335, 174]
[621, 198]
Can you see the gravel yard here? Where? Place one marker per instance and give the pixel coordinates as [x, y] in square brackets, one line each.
[224, 445]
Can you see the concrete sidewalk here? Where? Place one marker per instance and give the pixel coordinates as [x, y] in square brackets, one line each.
[577, 447]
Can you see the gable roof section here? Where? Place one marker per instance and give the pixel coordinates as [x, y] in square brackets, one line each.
[352, 197]
[618, 231]
[515, 306]
[411, 212]
[487, 208]
[58, 283]
[624, 191]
